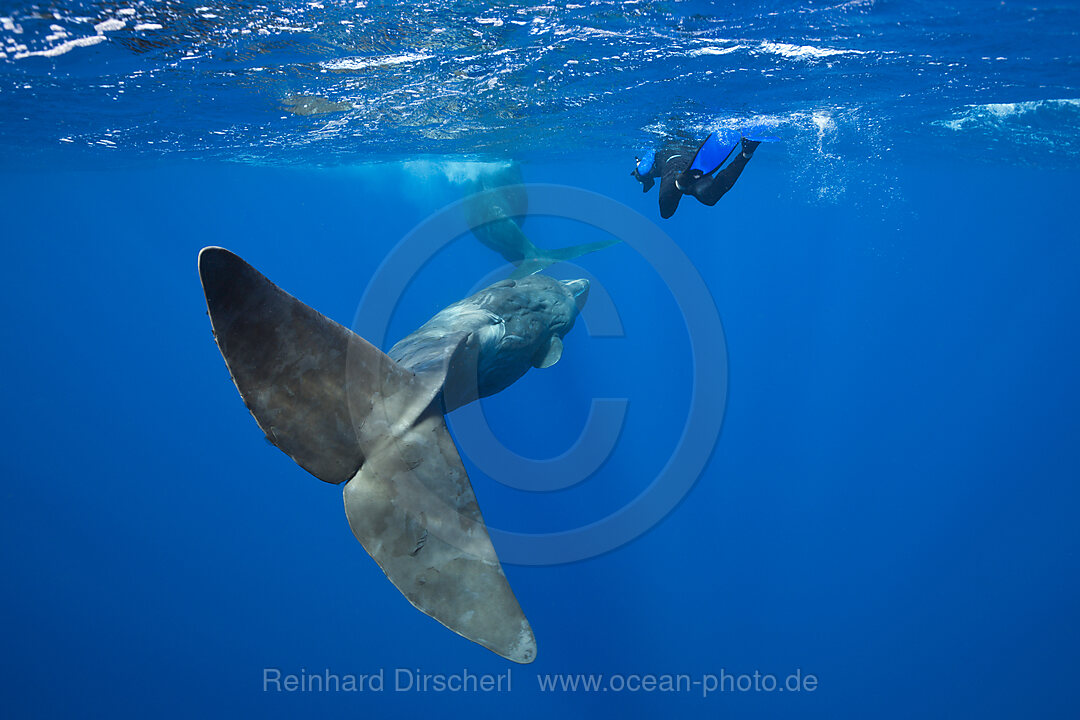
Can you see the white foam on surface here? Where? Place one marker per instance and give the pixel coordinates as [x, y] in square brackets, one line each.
[995, 114]
[804, 52]
[62, 47]
[110, 25]
[712, 50]
[360, 63]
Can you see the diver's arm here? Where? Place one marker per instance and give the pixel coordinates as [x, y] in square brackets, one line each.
[670, 191]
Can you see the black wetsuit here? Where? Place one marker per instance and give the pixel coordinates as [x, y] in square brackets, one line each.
[670, 166]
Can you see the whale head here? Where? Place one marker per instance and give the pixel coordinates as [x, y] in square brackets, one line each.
[482, 344]
[528, 319]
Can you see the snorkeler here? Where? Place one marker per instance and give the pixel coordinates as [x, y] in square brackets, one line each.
[700, 175]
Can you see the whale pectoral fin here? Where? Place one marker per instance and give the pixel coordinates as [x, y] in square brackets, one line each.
[413, 509]
[451, 367]
[542, 258]
[529, 267]
[549, 354]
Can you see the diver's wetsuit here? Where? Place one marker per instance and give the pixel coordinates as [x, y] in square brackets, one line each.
[671, 166]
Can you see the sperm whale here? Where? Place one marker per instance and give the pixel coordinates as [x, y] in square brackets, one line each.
[373, 422]
[496, 210]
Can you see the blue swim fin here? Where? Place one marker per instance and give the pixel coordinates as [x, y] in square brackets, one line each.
[713, 153]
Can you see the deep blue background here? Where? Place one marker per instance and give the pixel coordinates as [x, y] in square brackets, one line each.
[891, 505]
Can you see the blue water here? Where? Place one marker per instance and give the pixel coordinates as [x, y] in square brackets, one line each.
[890, 506]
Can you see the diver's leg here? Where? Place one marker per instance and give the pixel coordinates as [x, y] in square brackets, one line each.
[710, 189]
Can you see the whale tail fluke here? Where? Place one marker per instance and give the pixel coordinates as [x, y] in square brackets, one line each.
[347, 413]
[496, 208]
[289, 363]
